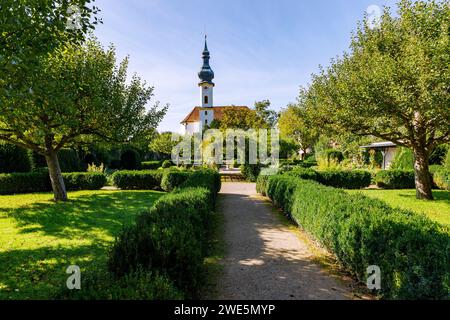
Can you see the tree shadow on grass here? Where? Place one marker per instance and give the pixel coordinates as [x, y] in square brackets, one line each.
[85, 216]
[40, 273]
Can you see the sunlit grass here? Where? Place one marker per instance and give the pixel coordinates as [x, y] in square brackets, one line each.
[437, 210]
[39, 239]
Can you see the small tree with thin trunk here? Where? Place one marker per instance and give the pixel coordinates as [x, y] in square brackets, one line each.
[394, 84]
[81, 92]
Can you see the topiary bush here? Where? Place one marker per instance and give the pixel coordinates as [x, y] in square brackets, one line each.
[334, 155]
[411, 250]
[84, 180]
[130, 160]
[345, 179]
[173, 179]
[171, 238]
[137, 180]
[395, 179]
[13, 159]
[151, 165]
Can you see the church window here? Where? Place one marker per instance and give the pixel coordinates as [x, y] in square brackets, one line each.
[206, 99]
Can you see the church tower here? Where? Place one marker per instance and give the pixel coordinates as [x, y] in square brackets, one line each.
[206, 76]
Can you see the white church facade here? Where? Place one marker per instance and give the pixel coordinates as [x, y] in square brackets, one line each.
[202, 116]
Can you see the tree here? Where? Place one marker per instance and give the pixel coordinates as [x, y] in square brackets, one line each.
[82, 92]
[394, 84]
[163, 144]
[292, 125]
[238, 118]
[31, 29]
[264, 115]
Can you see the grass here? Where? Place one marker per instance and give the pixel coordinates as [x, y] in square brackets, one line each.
[437, 210]
[39, 239]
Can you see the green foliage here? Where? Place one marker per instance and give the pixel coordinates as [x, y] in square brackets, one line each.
[173, 179]
[69, 161]
[403, 160]
[137, 180]
[345, 179]
[130, 160]
[11, 183]
[395, 179]
[412, 251]
[139, 285]
[261, 184]
[303, 173]
[441, 178]
[250, 172]
[37, 161]
[163, 145]
[334, 155]
[439, 153]
[13, 159]
[151, 165]
[166, 164]
[40, 182]
[171, 237]
[84, 180]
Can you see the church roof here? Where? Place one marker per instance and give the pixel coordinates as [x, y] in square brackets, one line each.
[194, 115]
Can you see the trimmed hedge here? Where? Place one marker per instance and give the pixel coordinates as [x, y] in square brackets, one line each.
[137, 180]
[345, 179]
[395, 179]
[13, 159]
[250, 172]
[13, 183]
[171, 238]
[151, 165]
[412, 251]
[84, 180]
[173, 179]
[166, 164]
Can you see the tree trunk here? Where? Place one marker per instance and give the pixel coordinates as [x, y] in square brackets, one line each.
[422, 174]
[59, 189]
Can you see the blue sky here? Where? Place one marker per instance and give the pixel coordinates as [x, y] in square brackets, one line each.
[260, 49]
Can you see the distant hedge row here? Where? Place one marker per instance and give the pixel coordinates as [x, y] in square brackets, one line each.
[13, 183]
[166, 180]
[412, 251]
[346, 179]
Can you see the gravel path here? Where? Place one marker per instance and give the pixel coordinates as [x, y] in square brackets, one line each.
[264, 259]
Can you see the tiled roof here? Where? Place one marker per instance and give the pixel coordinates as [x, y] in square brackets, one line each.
[194, 115]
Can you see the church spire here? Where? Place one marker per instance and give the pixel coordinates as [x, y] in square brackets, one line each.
[206, 74]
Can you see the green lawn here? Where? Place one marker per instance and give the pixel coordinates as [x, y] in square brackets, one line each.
[39, 239]
[437, 210]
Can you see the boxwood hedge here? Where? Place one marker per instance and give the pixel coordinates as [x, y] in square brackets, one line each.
[137, 180]
[412, 251]
[395, 179]
[151, 165]
[13, 183]
[171, 237]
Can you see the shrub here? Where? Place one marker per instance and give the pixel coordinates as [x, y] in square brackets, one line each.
[261, 184]
[137, 180]
[303, 173]
[171, 238]
[334, 155]
[395, 179]
[37, 160]
[166, 164]
[346, 179]
[412, 251]
[12, 183]
[151, 165]
[115, 164]
[139, 285]
[441, 178]
[403, 160]
[84, 180]
[69, 161]
[130, 160]
[13, 159]
[250, 172]
[173, 179]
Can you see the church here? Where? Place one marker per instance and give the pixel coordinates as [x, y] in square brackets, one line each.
[202, 116]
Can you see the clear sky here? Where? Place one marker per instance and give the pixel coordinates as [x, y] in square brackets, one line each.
[260, 49]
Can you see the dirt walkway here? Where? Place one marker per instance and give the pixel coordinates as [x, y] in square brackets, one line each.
[264, 259]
